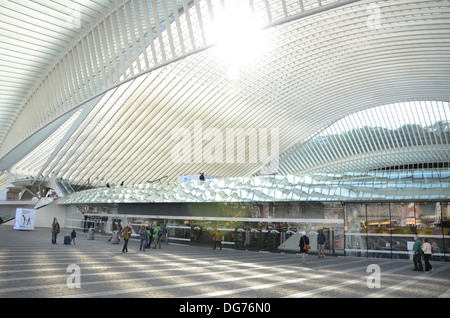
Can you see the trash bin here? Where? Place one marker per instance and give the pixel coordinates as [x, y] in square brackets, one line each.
[115, 237]
[90, 235]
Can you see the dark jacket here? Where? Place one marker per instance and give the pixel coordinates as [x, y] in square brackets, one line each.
[321, 238]
[417, 247]
[55, 227]
[304, 240]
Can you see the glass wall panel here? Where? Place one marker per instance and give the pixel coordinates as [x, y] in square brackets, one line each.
[355, 229]
[98, 222]
[409, 218]
[226, 230]
[334, 232]
[379, 230]
[74, 219]
[238, 209]
[428, 216]
[202, 232]
[179, 231]
[445, 209]
[252, 236]
[403, 228]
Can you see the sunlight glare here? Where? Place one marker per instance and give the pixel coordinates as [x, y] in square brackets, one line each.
[238, 37]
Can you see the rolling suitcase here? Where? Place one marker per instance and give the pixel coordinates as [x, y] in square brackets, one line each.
[67, 240]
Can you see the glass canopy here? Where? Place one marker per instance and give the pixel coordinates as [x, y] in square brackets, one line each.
[374, 186]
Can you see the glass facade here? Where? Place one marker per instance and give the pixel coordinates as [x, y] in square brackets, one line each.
[387, 229]
[397, 136]
[383, 229]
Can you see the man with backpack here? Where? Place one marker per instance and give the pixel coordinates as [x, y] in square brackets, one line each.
[158, 232]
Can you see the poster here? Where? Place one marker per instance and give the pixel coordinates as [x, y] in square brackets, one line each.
[25, 219]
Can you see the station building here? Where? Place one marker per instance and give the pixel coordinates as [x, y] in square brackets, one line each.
[254, 119]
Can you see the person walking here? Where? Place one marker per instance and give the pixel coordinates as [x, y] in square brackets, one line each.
[143, 237]
[113, 228]
[119, 226]
[417, 257]
[147, 242]
[217, 240]
[126, 234]
[321, 244]
[304, 246]
[426, 248]
[55, 230]
[150, 235]
[158, 234]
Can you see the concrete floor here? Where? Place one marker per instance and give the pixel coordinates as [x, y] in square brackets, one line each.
[32, 267]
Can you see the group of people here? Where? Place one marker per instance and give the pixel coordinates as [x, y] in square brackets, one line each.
[146, 235]
[56, 229]
[422, 248]
[305, 247]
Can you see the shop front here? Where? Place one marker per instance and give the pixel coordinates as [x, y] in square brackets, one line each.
[371, 229]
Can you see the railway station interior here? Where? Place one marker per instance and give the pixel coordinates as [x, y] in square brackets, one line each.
[257, 120]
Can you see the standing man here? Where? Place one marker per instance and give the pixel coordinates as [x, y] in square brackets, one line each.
[55, 230]
[321, 243]
[417, 258]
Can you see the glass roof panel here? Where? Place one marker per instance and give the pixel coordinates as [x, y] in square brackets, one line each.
[238, 190]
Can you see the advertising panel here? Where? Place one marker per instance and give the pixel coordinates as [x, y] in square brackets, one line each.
[25, 219]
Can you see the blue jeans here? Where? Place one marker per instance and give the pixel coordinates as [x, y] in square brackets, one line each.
[142, 247]
[54, 235]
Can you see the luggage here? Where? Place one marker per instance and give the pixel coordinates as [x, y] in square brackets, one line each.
[67, 240]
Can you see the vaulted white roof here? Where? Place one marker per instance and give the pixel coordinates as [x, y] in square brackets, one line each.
[112, 91]
[35, 36]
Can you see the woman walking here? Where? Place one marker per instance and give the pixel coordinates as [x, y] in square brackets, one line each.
[143, 237]
[426, 248]
[304, 246]
[126, 234]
